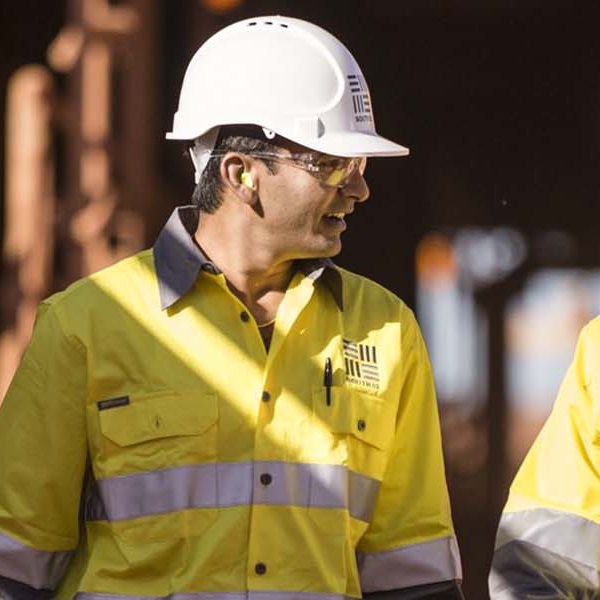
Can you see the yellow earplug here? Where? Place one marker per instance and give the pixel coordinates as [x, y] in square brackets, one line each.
[246, 179]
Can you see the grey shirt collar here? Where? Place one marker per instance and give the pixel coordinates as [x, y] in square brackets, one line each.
[178, 260]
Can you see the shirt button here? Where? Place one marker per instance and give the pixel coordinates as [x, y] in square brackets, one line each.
[260, 568]
[266, 396]
[266, 478]
[361, 425]
[244, 316]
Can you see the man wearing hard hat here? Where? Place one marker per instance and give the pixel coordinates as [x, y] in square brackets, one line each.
[230, 415]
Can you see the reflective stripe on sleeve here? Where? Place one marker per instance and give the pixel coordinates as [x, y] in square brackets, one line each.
[417, 564]
[251, 595]
[543, 549]
[36, 568]
[233, 484]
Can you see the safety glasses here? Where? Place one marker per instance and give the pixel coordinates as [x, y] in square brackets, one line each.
[332, 171]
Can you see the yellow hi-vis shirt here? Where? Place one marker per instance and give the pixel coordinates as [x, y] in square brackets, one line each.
[548, 541]
[211, 469]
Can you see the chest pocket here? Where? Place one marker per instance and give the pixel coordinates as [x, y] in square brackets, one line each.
[364, 421]
[159, 430]
[353, 432]
[157, 459]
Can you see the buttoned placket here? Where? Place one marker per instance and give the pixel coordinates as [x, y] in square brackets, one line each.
[262, 395]
[265, 482]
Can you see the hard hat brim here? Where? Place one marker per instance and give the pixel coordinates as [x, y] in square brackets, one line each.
[357, 143]
[347, 143]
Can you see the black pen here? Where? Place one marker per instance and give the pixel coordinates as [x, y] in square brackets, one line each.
[328, 381]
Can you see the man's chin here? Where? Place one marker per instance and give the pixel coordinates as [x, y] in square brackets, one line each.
[335, 252]
[331, 247]
[326, 252]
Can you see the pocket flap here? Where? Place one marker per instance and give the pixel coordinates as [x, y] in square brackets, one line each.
[366, 417]
[159, 416]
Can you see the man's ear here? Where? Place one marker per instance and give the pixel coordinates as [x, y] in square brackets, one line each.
[239, 177]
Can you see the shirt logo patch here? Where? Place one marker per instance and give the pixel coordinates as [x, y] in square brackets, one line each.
[361, 364]
[360, 98]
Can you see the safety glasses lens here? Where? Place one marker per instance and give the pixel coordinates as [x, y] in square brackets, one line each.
[336, 177]
[339, 173]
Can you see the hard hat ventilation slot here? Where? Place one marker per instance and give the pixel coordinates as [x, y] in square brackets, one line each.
[254, 23]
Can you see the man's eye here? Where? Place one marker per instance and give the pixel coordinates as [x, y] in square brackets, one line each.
[331, 164]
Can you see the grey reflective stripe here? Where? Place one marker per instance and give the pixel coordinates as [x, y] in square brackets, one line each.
[36, 568]
[250, 595]
[417, 564]
[233, 484]
[363, 496]
[547, 550]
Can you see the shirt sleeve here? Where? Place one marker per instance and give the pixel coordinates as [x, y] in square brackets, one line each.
[42, 456]
[410, 540]
[548, 540]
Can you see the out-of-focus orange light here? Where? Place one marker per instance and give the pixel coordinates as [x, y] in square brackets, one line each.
[435, 261]
[221, 6]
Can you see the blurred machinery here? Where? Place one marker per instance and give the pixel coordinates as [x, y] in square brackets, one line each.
[80, 190]
[29, 243]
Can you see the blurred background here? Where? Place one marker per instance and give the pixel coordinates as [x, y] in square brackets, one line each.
[488, 230]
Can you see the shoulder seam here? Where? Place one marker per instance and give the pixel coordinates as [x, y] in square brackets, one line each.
[61, 321]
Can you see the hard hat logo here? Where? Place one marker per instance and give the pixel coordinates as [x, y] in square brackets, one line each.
[303, 85]
[361, 100]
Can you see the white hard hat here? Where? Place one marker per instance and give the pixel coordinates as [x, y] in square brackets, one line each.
[288, 76]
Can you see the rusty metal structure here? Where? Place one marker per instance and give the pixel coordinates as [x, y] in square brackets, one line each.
[79, 161]
[30, 209]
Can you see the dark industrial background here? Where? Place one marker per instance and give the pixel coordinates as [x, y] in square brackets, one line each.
[498, 100]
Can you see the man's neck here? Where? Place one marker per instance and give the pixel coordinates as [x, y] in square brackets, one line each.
[259, 281]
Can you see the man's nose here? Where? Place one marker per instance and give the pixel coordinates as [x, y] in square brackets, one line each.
[356, 187]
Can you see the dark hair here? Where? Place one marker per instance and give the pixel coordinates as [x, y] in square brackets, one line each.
[232, 138]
